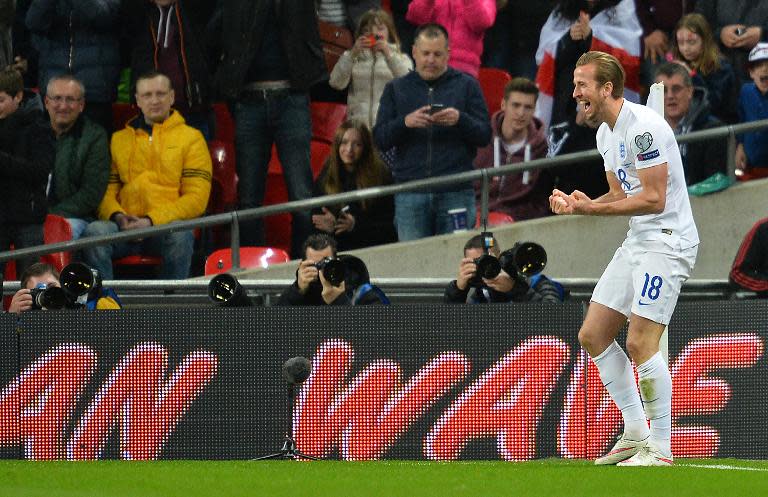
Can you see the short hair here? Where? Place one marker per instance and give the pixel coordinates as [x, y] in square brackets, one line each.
[521, 85]
[431, 30]
[478, 242]
[152, 75]
[66, 78]
[318, 241]
[608, 69]
[670, 69]
[36, 270]
[11, 81]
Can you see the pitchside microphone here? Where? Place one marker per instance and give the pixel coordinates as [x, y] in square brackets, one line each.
[296, 370]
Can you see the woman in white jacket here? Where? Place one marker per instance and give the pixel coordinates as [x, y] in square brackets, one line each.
[369, 65]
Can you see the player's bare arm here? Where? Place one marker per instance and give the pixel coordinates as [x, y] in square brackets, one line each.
[651, 200]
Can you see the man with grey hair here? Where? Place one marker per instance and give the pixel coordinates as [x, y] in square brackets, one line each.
[81, 169]
[686, 109]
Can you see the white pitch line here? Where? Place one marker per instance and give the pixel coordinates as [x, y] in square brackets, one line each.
[721, 466]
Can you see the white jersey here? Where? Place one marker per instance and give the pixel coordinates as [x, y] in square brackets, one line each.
[642, 138]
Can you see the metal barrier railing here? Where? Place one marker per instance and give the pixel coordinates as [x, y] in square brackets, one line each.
[233, 218]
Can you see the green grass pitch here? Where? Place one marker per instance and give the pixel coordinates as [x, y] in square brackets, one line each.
[555, 477]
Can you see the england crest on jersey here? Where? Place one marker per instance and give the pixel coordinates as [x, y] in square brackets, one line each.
[622, 151]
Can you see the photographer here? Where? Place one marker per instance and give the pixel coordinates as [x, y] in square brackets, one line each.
[45, 274]
[502, 288]
[312, 285]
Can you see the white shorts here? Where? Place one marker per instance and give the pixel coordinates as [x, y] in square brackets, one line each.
[644, 278]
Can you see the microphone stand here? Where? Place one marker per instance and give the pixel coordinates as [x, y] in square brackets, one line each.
[289, 450]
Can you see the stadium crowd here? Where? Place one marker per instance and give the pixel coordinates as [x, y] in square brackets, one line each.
[138, 93]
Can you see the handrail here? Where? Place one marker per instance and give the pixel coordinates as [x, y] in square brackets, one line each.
[234, 217]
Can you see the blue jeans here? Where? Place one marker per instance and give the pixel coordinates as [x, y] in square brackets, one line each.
[175, 249]
[285, 121]
[418, 215]
[21, 236]
[78, 226]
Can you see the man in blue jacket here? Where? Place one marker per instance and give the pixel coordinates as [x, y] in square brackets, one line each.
[434, 118]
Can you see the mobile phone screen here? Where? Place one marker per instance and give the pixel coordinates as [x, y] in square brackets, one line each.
[436, 108]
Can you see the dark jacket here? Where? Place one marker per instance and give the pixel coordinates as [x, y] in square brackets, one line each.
[543, 291]
[292, 296]
[721, 13]
[81, 170]
[722, 91]
[373, 226]
[702, 159]
[190, 18]
[27, 153]
[750, 267]
[237, 26]
[522, 195]
[78, 37]
[661, 14]
[435, 150]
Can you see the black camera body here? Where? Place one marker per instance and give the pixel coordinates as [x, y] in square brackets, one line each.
[523, 260]
[333, 269]
[45, 297]
[488, 266]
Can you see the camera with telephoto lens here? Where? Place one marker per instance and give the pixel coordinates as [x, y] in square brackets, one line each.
[525, 259]
[333, 269]
[224, 290]
[488, 266]
[80, 283]
[48, 298]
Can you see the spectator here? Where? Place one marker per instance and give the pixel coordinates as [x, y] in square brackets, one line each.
[752, 150]
[517, 137]
[502, 288]
[79, 37]
[436, 118]
[750, 268]
[370, 65]
[658, 19]
[739, 25]
[161, 172]
[345, 13]
[7, 16]
[697, 49]
[686, 109]
[587, 176]
[355, 165]
[271, 57]
[510, 44]
[311, 287]
[81, 169]
[466, 22]
[168, 36]
[574, 27]
[45, 274]
[26, 158]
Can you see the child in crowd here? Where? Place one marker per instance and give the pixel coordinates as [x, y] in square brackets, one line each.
[367, 67]
[695, 47]
[752, 151]
[355, 165]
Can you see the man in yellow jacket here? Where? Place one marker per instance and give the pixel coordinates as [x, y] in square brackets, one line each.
[161, 172]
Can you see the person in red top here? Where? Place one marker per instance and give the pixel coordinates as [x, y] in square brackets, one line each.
[517, 136]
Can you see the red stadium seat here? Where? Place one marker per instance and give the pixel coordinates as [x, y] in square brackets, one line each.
[220, 260]
[326, 117]
[277, 228]
[225, 124]
[494, 219]
[492, 82]
[57, 229]
[122, 114]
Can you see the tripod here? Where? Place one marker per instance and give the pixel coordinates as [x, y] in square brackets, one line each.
[289, 450]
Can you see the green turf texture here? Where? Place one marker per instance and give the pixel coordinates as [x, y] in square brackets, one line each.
[555, 477]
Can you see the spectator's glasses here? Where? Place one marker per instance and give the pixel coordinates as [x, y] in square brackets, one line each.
[60, 99]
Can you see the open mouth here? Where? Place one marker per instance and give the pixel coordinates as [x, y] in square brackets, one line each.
[586, 105]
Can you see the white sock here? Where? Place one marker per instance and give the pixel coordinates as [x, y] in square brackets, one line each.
[619, 379]
[656, 391]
